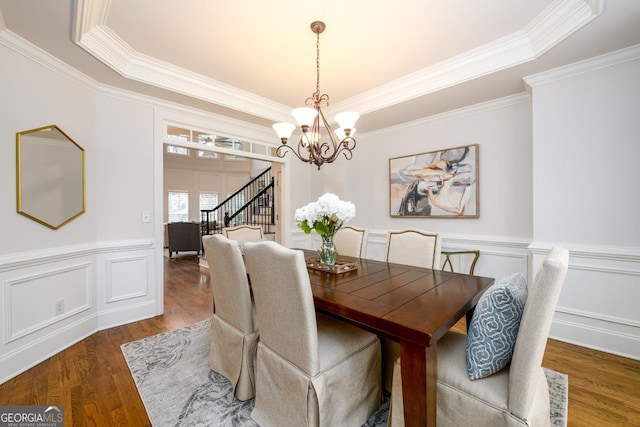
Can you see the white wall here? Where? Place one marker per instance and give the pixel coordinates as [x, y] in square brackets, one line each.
[101, 264]
[501, 128]
[107, 266]
[556, 168]
[38, 265]
[586, 148]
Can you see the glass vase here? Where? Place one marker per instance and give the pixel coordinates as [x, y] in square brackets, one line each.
[327, 253]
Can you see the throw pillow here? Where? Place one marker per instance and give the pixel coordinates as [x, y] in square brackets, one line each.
[494, 326]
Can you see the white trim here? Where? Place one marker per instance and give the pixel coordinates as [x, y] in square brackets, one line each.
[22, 358]
[559, 20]
[607, 253]
[34, 53]
[627, 54]
[494, 104]
[93, 35]
[110, 297]
[12, 335]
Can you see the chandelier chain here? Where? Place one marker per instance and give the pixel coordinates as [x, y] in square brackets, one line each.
[318, 63]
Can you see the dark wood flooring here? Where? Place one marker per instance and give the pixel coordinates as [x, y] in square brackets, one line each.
[93, 383]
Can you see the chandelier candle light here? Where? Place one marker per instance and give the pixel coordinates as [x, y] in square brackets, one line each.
[311, 148]
[326, 216]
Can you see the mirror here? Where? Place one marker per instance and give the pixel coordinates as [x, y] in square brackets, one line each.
[50, 176]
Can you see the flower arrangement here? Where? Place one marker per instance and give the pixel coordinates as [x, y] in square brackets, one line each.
[325, 216]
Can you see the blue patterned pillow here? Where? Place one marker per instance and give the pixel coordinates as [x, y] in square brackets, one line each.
[494, 326]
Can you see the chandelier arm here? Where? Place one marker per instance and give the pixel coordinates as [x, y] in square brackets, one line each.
[325, 145]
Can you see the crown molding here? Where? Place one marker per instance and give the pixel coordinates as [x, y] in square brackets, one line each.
[2, 24]
[232, 127]
[34, 53]
[96, 38]
[630, 53]
[506, 101]
[558, 21]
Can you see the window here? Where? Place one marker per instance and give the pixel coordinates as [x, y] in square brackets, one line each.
[178, 209]
[177, 150]
[197, 138]
[207, 154]
[208, 201]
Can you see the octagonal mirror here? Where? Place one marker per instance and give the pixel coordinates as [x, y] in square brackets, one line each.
[50, 176]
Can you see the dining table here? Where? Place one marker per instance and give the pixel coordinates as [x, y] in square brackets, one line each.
[413, 306]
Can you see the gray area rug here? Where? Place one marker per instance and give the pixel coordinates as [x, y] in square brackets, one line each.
[171, 371]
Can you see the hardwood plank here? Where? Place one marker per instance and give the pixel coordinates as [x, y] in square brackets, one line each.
[92, 381]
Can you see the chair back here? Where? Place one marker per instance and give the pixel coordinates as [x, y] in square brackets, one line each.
[414, 247]
[284, 303]
[351, 241]
[542, 298]
[243, 233]
[231, 294]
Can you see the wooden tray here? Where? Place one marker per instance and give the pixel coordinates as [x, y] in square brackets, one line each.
[341, 266]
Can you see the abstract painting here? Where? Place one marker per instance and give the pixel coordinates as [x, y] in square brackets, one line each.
[437, 184]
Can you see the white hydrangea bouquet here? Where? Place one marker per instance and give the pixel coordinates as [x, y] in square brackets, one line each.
[325, 216]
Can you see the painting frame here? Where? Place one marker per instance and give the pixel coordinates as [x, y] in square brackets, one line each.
[435, 184]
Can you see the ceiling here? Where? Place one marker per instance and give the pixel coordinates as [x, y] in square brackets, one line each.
[256, 60]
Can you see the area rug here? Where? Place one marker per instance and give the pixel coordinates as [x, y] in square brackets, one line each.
[171, 371]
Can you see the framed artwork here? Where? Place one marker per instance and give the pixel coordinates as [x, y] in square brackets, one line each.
[438, 184]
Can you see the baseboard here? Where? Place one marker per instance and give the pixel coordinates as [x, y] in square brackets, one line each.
[127, 314]
[610, 336]
[22, 358]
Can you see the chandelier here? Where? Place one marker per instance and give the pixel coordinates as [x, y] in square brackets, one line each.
[312, 148]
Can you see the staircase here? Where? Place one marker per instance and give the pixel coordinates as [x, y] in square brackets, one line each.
[253, 204]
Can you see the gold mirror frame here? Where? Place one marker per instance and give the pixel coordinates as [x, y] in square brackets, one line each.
[50, 169]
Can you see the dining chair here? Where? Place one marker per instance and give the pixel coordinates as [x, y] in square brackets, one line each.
[415, 247]
[418, 248]
[516, 395]
[351, 241]
[244, 233]
[311, 369]
[234, 333]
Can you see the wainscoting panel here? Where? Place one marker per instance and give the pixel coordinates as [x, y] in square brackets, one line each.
[100, 285]
[598, 303]
[126, 289]
[68, 287]
[127, 278]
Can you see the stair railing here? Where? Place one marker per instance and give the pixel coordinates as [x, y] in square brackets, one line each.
[252, 204]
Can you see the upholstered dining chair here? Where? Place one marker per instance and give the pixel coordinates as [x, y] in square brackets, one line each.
[311, 369]
[410, 246]
[234, 334]
[516, 395]
[415, 247]
[351, 241]
[243, 233]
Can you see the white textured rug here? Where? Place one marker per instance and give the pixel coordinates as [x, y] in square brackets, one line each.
[171, 371]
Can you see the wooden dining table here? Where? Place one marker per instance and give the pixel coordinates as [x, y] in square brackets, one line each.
[410, 305]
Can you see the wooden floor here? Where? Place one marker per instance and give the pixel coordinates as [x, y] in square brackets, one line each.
[92, 381]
